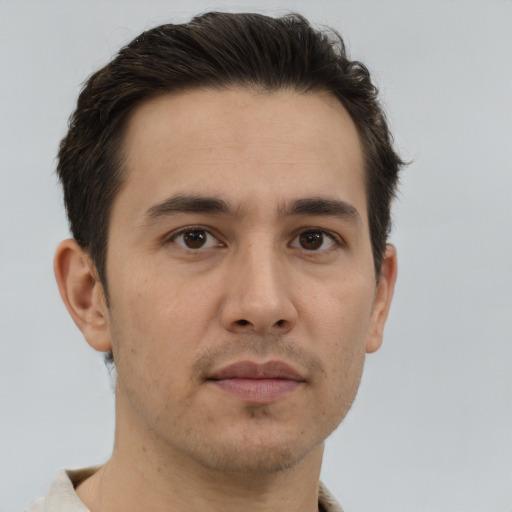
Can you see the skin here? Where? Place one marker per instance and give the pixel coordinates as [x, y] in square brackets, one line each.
[270, 283]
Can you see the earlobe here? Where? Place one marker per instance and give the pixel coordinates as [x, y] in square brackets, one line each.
[383, 297]
[82, 293]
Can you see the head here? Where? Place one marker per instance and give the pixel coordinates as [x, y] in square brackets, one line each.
[228, 183]
[215, 50]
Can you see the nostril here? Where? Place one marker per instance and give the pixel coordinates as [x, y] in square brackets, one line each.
[280, 323]
[242, 322]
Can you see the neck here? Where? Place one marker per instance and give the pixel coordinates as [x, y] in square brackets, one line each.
[144, 475]
[125, 484]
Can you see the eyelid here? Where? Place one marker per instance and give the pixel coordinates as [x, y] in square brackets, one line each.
[335, 237]
[171, 237]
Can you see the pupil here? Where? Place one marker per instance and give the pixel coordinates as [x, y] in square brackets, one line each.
[311, 240]
[195, 239]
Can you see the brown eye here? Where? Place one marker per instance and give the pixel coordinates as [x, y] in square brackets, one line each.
[315, 240]
[311, 240]
[196, 239]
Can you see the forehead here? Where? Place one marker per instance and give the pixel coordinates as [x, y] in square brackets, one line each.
[243, 143]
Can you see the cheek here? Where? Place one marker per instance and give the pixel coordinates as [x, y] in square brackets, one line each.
[158, 298]
[153, 344]
[341, 312]
[338, 323]
[159, 318]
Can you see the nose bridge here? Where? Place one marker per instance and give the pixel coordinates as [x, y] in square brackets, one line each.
[258, 294]
[260, 272]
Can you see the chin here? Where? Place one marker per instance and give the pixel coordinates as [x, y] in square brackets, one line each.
[254, 461]
[260, 451]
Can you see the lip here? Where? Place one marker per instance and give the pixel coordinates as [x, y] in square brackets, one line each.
[257, 383]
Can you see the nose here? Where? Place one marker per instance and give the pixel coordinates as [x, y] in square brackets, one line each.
[258, 295]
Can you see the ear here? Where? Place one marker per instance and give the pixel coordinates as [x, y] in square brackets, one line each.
[82, 293]
[383, 296]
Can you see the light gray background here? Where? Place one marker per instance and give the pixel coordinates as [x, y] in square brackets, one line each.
[431, 429]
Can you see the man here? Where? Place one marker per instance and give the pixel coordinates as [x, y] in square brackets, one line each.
[228, 185]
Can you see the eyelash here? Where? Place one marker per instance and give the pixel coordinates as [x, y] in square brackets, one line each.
[191, 229]
[336, 240]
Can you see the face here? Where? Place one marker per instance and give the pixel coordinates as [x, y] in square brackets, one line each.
[241, 282]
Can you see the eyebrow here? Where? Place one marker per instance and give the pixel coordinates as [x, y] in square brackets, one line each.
[187, 204]
[320, 206]
[309, 206]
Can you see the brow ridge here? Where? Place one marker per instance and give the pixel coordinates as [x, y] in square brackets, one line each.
[308, 206]
[321, 206]
[182, 203]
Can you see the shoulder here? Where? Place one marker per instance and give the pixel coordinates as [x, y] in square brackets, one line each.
[61, 496]
[326, 501]
[36, 506]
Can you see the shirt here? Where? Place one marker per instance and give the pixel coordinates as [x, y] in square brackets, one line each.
[62, 497]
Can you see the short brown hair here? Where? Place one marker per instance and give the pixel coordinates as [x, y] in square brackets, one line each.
[215, 50]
